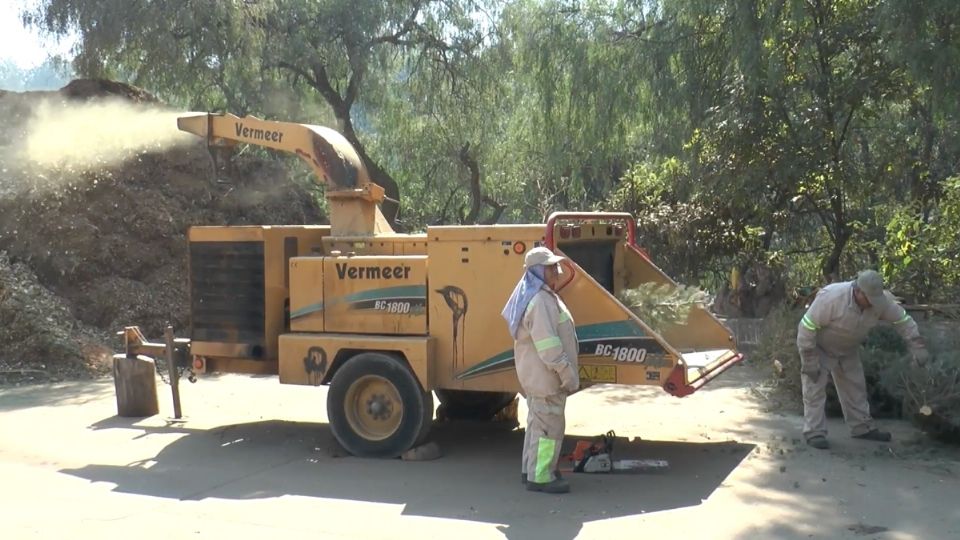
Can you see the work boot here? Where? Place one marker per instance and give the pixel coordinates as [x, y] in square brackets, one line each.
[875, 435]
[819, 442]
[557, 486]
[523, 476]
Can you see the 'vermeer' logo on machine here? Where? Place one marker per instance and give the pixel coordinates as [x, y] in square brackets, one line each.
[257, 134]
[345, 271]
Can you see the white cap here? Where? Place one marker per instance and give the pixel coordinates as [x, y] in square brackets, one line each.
[541, 256]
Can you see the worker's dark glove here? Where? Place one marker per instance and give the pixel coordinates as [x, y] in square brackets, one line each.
[920, 356]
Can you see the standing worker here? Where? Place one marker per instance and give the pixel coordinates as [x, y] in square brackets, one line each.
[545, 352]
[829, 337]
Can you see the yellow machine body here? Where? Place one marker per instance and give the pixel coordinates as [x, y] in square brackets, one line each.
[438, 307]
[389, 319]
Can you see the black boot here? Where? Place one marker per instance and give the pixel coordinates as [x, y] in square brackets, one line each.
[819, 442]
[557, 486]
[875, 435]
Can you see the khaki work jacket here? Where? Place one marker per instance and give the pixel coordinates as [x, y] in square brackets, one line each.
[835, 326]
[546, 348]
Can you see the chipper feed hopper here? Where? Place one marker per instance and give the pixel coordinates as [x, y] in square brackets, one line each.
[387, 320]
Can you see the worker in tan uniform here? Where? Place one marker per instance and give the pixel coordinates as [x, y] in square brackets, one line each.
[545, 353]
[829, 338]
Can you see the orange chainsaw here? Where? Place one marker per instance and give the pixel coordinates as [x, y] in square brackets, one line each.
[596, 456]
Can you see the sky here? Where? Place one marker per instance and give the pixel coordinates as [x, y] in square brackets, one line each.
[24, 47]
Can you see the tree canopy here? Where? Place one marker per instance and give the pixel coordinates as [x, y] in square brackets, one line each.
[816, 136]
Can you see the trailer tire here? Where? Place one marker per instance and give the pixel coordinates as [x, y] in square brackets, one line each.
[377, 407]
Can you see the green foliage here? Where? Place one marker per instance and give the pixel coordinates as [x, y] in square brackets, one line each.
[50, 75]
[816, 137]
[928, 395]
[777, 349]
[662, 305]
[920, 255]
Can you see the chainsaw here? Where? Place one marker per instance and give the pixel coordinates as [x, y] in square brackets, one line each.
[596, 456]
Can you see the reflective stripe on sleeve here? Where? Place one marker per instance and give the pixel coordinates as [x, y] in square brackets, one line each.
[547, 343]
[904, 319]
[564, 316]
[809, 324]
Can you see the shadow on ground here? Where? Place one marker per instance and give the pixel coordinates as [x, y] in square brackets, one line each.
[275, 458]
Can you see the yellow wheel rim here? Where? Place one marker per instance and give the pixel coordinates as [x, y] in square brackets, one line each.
[373, 407]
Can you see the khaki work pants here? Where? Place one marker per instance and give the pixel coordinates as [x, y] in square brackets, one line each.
[851, 386]
[543, 438]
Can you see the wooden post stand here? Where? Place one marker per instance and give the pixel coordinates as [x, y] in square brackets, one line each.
[135, 380]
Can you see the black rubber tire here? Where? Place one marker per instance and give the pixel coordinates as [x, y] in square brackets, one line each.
[427, 419]
[472, 404]
[417, 405]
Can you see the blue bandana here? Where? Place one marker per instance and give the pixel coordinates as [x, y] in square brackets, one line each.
[529, 285]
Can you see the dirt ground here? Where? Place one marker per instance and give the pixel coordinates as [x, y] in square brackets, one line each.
[253, 458]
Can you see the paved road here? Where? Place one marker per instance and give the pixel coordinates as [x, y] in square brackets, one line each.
[255, 459]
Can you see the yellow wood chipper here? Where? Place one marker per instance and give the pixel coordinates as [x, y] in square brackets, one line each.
[389, 319]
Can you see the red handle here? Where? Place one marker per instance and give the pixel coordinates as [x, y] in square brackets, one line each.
[625, 217]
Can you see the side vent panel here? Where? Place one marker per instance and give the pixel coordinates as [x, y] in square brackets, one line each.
[227, 293]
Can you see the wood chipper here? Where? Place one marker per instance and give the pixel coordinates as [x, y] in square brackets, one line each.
[387, 319]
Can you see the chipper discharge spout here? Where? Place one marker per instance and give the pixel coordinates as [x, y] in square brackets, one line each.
[354, 198]
[616, 344]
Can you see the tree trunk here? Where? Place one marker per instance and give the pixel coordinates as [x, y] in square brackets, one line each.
[476, 196]
[391, 207]
[831, 265]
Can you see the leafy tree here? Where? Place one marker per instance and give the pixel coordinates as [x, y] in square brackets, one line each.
[241, 55]
[49, 75]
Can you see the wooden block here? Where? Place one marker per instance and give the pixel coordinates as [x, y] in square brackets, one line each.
[423, 452]
[135, 381]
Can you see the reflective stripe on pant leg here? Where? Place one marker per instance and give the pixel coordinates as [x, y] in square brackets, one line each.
[546, 448]
[546, 421]
[535, 429]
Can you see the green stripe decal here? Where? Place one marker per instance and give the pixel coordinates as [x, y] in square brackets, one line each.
[564, 316]
[546, 448]
[609, 329]
[548, 343]
[404, 291]
[504, 360]
[306, 310]
[809, 324]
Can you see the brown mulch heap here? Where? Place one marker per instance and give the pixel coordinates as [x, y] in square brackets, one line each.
[107, 248]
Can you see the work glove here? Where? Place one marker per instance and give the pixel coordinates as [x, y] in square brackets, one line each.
[920, 356]
[569, 380]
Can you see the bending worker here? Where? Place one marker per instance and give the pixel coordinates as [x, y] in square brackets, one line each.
[545, 352]
[829, 337]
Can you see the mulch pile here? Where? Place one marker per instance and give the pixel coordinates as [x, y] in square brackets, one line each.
[107, 248]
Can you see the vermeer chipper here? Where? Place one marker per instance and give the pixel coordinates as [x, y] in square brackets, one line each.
[389, 319]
